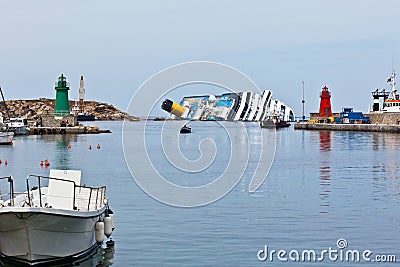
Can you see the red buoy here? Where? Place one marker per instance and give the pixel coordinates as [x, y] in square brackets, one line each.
[98, 146]
[41, 163]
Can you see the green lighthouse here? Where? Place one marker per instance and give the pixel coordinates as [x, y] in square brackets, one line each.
[62, 104]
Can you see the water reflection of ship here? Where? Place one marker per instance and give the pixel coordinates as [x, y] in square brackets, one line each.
[103, 257]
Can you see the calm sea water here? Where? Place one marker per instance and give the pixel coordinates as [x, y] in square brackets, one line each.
[323, 186]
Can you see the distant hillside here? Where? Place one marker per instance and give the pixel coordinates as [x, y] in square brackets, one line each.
[33, 109]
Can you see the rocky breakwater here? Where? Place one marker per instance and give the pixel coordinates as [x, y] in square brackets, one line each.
[34, 109]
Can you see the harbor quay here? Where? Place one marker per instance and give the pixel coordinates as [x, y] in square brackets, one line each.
[348, 127]
[379, 122]
[89, 129]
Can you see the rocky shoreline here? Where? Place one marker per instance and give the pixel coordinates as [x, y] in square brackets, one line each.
[35, 108]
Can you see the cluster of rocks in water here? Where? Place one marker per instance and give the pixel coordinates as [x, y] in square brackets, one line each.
[34, 109]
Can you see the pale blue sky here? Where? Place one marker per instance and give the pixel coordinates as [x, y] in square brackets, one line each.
[117, 45]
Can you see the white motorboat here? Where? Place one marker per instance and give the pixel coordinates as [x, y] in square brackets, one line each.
[61, 221]
[6, 138]
[19, 126]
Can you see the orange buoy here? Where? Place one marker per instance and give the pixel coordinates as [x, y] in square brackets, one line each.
[90, 147]
[69, 146]
[98, 146]
[47, 163]
[41, 163]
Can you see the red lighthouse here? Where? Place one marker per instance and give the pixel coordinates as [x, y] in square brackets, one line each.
[325, 109]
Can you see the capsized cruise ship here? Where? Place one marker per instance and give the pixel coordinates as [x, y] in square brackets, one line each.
[242, 106]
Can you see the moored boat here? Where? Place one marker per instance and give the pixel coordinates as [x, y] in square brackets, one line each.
[391, 100]
[6, 138]
[185, 129]
[85, 117]
[61, 221]
[274, 122]
[19, 126]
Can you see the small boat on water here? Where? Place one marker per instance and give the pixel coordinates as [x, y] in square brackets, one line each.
[19, 126]
[6, 138]
[62, 221]
[274, 122]
[5, 135]
[185, 129]
[85, 117]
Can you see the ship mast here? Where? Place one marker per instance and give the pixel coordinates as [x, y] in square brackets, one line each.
[5, 105]
[81, 95]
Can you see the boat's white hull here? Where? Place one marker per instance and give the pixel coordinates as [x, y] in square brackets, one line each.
[39, 235]
[6, 138]
[21, 130]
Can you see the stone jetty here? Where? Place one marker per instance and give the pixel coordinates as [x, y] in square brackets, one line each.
[34, 109]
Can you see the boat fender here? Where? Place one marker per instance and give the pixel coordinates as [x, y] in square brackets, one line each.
[111, 213]
[107, 226]
[99, 231]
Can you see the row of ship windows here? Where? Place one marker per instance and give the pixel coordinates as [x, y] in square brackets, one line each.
[392, 104]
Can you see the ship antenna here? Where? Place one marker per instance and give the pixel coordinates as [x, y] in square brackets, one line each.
[303, 101]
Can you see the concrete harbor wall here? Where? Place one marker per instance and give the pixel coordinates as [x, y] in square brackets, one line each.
[67, 130]
[348, 127]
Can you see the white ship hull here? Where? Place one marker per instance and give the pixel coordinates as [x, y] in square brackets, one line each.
[34, 235]
[243, 106]
[58, 222]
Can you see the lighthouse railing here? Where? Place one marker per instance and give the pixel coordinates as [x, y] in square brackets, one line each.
[66, 84]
